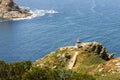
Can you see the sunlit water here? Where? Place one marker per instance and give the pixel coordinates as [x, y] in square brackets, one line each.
[57, 23]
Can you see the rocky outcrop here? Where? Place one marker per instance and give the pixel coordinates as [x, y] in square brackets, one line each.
[109, 67]
[91, 58]
[10, 10]
[97, 49]
[67, 56]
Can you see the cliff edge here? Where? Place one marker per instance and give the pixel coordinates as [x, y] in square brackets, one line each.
[10, 10]
[90, 57]
[72, 57]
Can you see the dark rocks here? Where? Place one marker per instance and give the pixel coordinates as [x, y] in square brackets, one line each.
[10, 10]
[68, 56]
[97, 49]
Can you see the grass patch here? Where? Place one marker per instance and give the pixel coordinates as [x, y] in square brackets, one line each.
[92, 60]
[81, 76]
[108, 77]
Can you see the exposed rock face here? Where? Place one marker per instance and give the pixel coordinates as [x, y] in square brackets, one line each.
[10, 10]
[98, 49]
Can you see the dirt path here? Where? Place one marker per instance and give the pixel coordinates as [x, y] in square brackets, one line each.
[72, 61]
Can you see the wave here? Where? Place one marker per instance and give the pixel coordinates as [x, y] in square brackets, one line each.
[93, 6]
[37, 13]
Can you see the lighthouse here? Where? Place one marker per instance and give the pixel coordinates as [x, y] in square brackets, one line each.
[78, 44]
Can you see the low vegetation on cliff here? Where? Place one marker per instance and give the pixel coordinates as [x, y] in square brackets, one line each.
[91, 58]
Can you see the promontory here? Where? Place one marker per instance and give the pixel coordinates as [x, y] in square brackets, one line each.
[85, 57]
[10, 10]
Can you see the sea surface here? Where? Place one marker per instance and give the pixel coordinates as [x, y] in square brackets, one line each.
[57, 23]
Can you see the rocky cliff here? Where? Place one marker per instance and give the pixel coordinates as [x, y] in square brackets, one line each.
[10, 10]
[91, 58]
[73, 56]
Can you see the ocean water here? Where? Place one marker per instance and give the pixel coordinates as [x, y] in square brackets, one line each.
[57, 23]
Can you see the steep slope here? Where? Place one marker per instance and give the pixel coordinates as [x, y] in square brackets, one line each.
[92, 58]
[77, 59]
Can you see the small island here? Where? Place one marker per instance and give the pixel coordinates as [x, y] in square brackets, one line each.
[10, 10]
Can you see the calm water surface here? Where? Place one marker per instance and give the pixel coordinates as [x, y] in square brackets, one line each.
[90, 20]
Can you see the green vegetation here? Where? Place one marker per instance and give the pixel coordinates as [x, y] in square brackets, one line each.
[89, 64]
[36, 73]
[25, 71]
[108, 77]
[79, 76]
[13, 71]
[92, 60]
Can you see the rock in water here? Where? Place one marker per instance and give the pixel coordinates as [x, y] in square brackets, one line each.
[10, 10]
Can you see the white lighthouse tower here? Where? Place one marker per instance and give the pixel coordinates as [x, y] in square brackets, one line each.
[78, 44]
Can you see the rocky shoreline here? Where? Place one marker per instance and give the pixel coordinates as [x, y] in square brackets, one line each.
[10, 10]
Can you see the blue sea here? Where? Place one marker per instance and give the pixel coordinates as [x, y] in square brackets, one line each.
[57, 23]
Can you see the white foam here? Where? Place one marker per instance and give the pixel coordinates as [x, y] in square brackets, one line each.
[37, 13]
[93, 6]
[24, 7]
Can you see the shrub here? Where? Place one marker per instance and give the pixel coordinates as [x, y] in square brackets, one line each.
[80, 76]
[36, 73]
[13, 71]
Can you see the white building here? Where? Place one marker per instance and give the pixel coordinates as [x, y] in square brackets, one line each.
[78, 44]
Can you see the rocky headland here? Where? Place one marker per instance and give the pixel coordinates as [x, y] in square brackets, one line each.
[84, 61]
[91, 58]
[10, 10]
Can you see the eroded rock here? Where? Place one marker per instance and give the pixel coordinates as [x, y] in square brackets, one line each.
[10, 10]
[98, 49]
